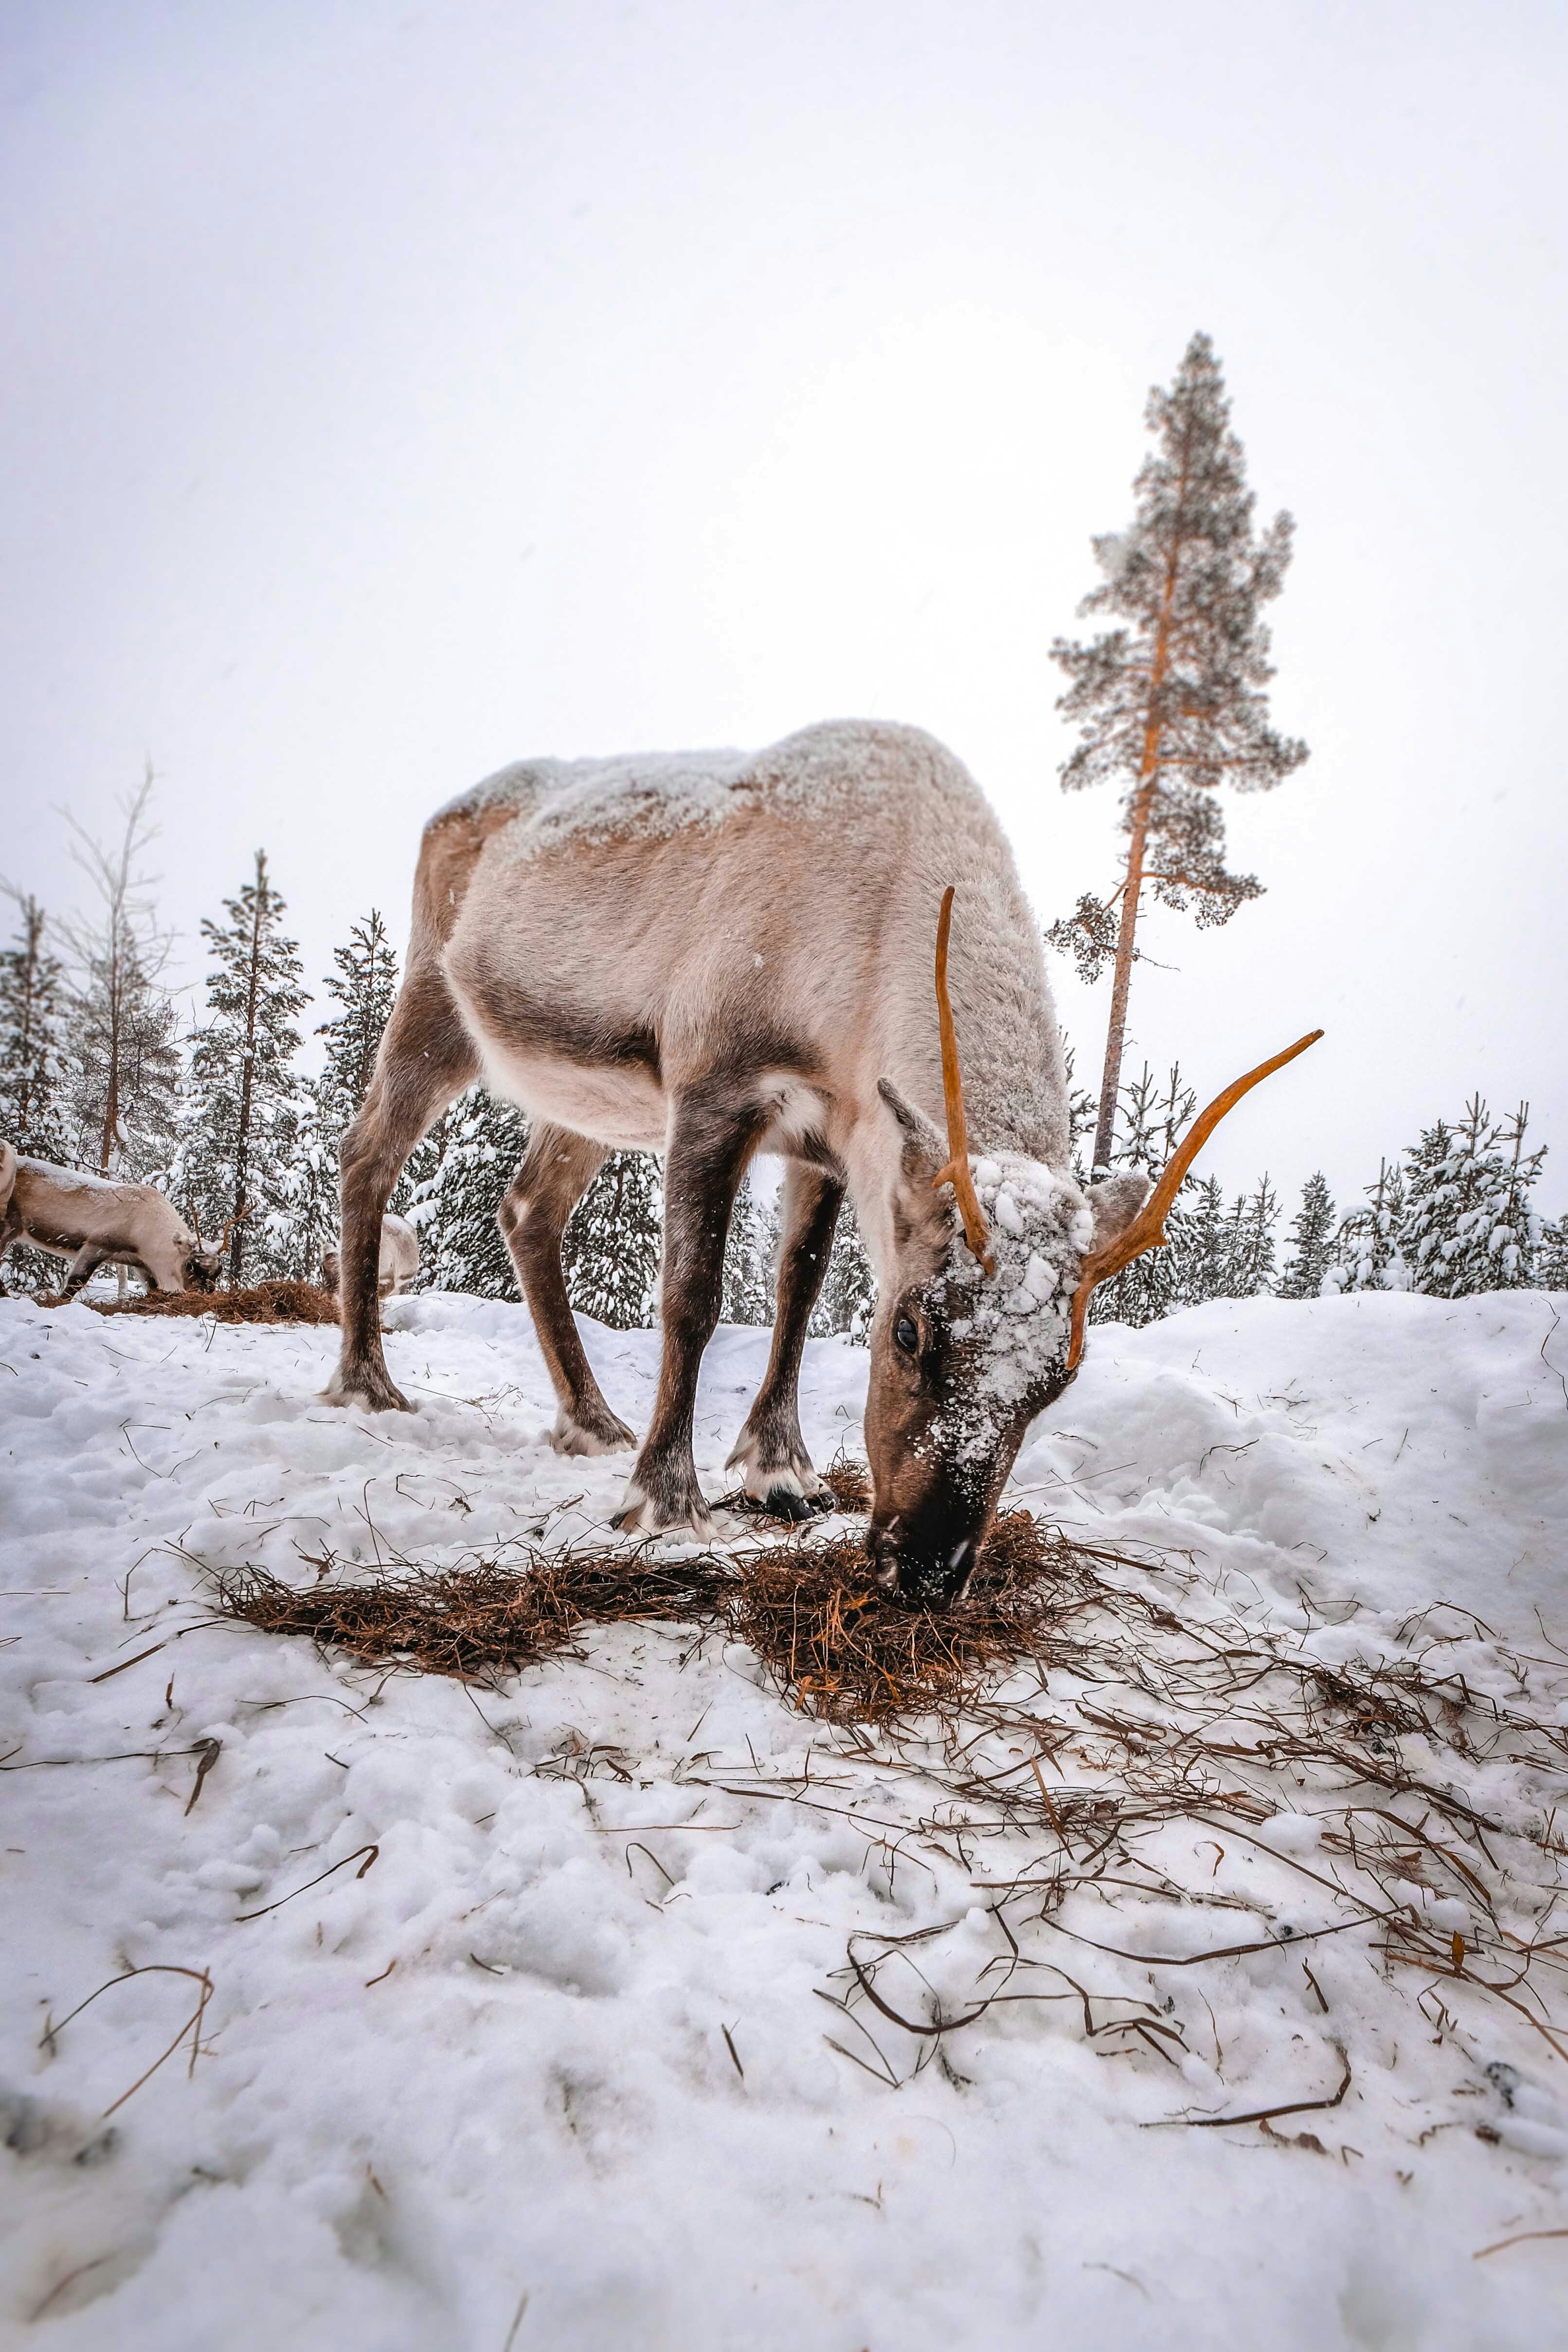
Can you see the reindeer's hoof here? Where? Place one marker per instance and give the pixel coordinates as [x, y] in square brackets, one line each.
[777, 1473]
[597, 1434]
[785, 1501]
[372, 1391]
[652, 1514]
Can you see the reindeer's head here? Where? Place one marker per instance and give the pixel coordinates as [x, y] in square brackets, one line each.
[204, 1260]
[981, 1325]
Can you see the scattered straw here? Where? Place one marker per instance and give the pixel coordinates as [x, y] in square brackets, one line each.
[263, 1302]
[834, 1645]
[478, 1622]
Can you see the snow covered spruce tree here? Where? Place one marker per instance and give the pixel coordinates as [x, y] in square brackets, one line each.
[1150, 1124]
[1365, 1254]
[1311, 1242]
[364, 984]
[241, 1130]
[611, 1246]
[1551, 1256]
[1249, 1240]
[32, 1039]
[1171, 702]
[122, 1065]
[848, 1299]
[1468, 1224]
[473, 1156]
[749, 1247]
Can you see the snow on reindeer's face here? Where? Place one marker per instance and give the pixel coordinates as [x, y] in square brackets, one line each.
[962, 1363]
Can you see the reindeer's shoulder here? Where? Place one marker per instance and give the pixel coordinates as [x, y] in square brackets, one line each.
[872, 759]
[539, 807]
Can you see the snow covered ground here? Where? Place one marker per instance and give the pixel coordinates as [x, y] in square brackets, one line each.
[555, 2067]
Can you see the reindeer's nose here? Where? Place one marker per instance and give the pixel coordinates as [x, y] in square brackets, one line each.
[919, 1579]
[884, 1550]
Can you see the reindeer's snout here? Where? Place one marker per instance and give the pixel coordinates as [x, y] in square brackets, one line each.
[921, 1575]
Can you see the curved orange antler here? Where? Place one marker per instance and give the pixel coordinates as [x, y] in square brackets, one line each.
[976, 1233]
[1147, 1230]
[237, 1220]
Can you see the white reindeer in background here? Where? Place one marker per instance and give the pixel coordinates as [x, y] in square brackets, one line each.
[399, 1258]
[715, 954]
[93, 1223]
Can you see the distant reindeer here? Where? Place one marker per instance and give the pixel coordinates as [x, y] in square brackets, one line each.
[94, 1223]
[714, 954]
[399, 1257]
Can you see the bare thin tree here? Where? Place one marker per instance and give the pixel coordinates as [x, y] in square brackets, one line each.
[122, 1020]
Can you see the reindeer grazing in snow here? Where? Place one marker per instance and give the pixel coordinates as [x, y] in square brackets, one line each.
[94, 1223]
[399, 1257]
[715, 954]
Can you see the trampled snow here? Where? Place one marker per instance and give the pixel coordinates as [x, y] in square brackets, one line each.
[559, 2067]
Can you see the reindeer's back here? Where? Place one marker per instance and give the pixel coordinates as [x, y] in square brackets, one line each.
[692, 894]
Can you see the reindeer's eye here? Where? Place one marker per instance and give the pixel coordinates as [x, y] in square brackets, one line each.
[907, 1336]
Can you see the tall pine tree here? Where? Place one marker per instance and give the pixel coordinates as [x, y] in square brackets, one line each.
[1171, 703]
[237, 1154]
[1311, 1242]
[32, 1040]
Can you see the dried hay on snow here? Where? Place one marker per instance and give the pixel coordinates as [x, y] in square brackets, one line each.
[834, 1645]
[478, 1622]
[261, 1302]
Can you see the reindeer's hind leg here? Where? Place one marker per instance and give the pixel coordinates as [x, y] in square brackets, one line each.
[556, 1171]
[425, 1059]
[778, 1469]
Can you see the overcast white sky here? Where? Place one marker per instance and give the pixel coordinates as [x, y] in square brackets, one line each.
[390, 390]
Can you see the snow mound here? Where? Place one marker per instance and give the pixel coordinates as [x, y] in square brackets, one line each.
[553, 1997]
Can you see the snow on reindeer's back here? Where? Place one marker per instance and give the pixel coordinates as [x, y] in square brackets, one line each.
[651, 795]
[67, 1180]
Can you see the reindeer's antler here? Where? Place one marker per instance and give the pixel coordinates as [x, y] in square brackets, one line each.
[237, 1220]
[956, 1173]
[1147, 1230]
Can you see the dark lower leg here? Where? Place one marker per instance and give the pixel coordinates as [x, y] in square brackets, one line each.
[84, 1265]
[425, 1059]
[778, 1469]
[556, 1172]
[713, 1131]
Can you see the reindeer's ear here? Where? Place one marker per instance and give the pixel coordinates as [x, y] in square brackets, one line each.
[924, 1151]
[1113, 1204]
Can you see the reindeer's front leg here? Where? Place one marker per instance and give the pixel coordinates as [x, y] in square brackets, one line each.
[84, 1265]
[713, 1130]
[777, 1468]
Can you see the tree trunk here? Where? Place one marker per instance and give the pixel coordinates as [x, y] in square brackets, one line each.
[1142, 804]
